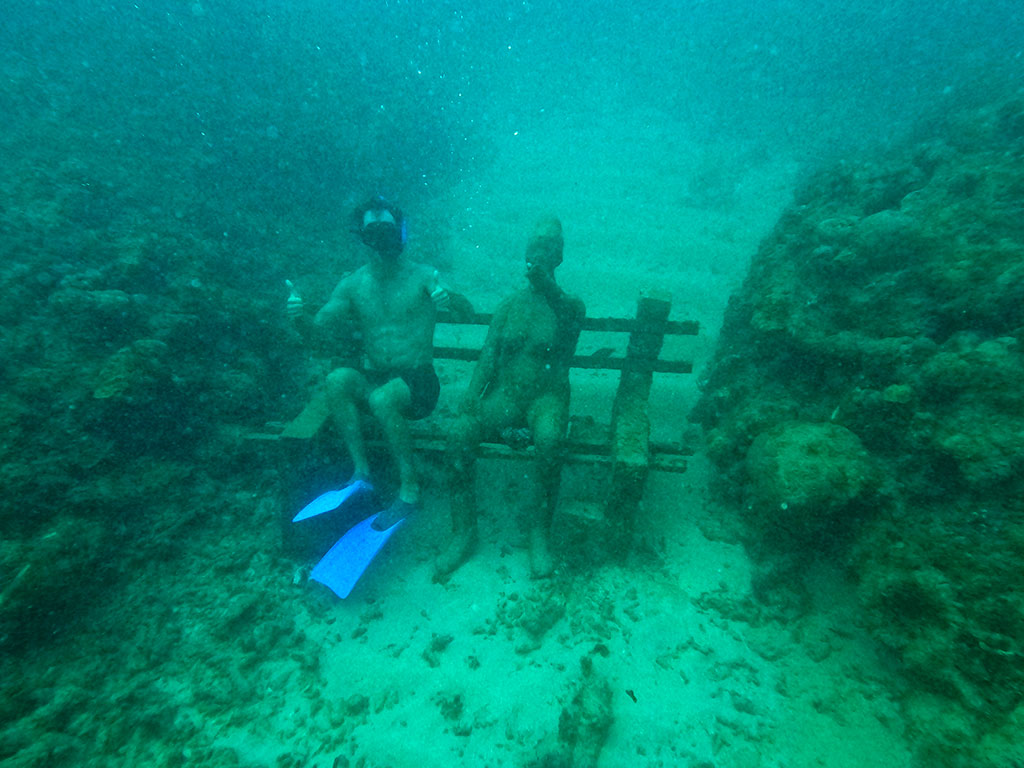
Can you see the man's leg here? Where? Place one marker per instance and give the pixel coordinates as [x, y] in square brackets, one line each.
[548, 421]
[389, 404]
[346, 389]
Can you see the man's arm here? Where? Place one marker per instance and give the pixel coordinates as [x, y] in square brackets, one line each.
[337, 308]
[335, 331]
[332, 330]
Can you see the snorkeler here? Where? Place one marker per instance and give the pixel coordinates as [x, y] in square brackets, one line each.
[387, 310]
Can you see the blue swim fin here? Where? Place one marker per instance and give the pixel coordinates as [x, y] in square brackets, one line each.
[346, 561]
[331, 500]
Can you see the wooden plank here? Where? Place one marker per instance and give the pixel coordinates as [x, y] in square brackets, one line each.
[642, 325]
[632, 364]
[631, 425]
[665, 457]
[587, 362]
[603, 324]
[579, 453]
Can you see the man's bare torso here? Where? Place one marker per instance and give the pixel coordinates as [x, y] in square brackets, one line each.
[392, 310]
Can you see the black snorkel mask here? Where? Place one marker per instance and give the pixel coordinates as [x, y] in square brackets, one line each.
[381, 226]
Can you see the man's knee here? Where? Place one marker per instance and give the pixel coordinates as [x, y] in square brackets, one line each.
[392, 399]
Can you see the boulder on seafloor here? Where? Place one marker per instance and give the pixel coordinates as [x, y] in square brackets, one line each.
[805, 477]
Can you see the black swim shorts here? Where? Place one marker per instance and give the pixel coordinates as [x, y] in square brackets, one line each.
[422, 382]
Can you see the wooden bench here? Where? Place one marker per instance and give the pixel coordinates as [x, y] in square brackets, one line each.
[624, 444]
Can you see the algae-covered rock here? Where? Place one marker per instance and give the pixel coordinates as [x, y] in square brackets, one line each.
[803, 476]
[585, 722]
[48, 574]
[889, 240]
[131, 369]
[887, 303]
[973, 385]
[94, 315]
[942, 591]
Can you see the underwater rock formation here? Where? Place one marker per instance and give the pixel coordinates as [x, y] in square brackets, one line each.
[131, 369]
[806, 477]
[584, 723]
[127, 349]
[885, 307]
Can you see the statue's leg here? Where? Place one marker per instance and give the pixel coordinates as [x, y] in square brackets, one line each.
[493, 413]
[460, 462]
[548, 419]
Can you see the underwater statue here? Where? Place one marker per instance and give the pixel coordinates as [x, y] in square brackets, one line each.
[519, 389]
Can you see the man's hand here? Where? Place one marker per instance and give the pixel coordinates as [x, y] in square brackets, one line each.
[438, 293]
[295, 306]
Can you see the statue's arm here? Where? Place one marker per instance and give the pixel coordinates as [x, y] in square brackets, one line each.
[571, 315]
[487, 365]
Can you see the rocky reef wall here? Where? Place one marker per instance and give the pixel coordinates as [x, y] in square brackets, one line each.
[866, 401]
[132, 343]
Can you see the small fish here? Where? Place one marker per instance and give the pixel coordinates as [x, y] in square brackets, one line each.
[602, 353]
[629, 692]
